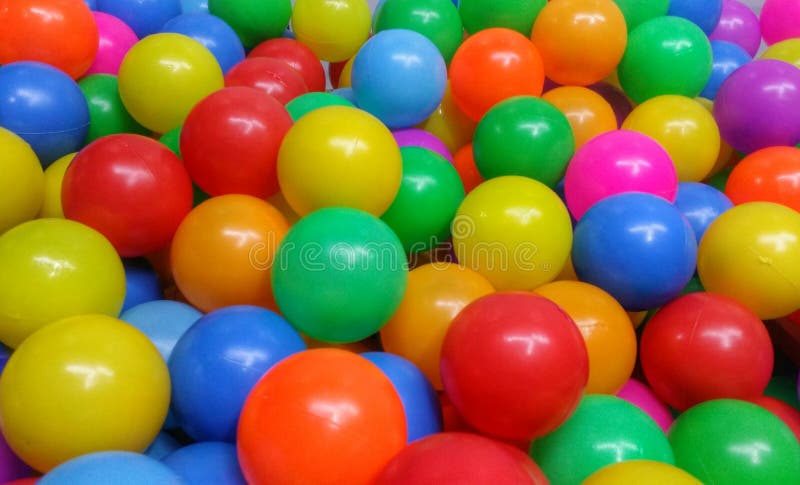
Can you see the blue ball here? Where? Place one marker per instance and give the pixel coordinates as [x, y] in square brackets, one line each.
[5, 354]
[45, 107]
[163, 445]
[701, 204]
[347, 94]
[400, 77]
[218, 361]
[92, 4]
[145, 17]
[703, 13]
[728, 57]
[420, 402]
[141, 283]
[638, 247]
[111, 468]
[208, 462]
[194, 6]
[163, 321]
[216, 35]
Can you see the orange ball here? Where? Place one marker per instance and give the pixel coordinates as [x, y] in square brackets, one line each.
[588, 113]
[581, 41]
[767, 175]
[320, 416]
[434, 296]
[223, 251]
[606, 328]
[464, 162]
[493, 65]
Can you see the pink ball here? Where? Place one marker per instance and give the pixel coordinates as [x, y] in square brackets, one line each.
[415, 137]
[616, 162]
[643, 397]
[116, 39]
[738, 24]
[780, 20]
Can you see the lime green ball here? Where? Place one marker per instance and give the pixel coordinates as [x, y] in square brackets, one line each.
[438, 20]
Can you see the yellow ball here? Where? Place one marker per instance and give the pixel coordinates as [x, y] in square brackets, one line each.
[339, 156]
[513, 230]
[450, 124]
[752, 254]
[686, 130]
[163, 76]
[53, 179]
[83, 384]
[333, 30]
[21, 181]
[787, 51]
[55, 268]
[641, 472]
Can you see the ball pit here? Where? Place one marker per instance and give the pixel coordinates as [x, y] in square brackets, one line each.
[738, 24]
[115, 40]
[107, 113]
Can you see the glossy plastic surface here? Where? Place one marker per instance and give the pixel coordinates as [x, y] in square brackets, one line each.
[116, 39]
[770, 175]
[22, 187]
[272, 76]
[298, 56]
[587, 112]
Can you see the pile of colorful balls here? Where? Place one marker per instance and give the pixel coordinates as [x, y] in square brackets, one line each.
[424, 242]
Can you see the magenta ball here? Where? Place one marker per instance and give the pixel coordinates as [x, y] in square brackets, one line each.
[645, 399]
[739, 25]
[414, 137]
[116, 39]
[758, 106]
[11, 467]
[616, 162]
[780, 20]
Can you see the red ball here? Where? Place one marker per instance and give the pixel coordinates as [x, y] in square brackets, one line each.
[785, 412]
[230, 142]
[514, 365]
[130, 188]
[298, 56]
[705, 346]
[460, 458]
[272, 76]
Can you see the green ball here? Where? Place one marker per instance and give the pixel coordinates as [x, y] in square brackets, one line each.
[638, 11]
[339, 274]
[107, 114]
[438, 20]
[730, 441]
[430, 193]
[172, 140]
[517, 15]
[526, 136]
[665, 55]
[602, 431]
[720, 179]
[254, 21]
[306, 103]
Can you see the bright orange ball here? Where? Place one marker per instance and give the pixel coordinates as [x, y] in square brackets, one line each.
[767, 175]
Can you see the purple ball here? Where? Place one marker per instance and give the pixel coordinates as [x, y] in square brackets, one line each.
[11, 467]
[740, 25]
[415, 137]
[757, 106]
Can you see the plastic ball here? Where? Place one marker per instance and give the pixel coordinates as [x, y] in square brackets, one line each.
[298, 56]
[514, 365]
[703, 13]
[464, 162]
[44, 107]
[516, 15]
[415, 137]
[112, 386]
[294, 419]
[493, 65]
[738, 24]
[230, 142]
[356, 265]
[637, 11]
[645, 399]
[684, 128]
[602, 431]
[449, 124]
[606, 328]
[116, 39]
[645, 239]
[107, 113]
[710, 440]
[343, 144]
[641, 472]
[145, 17]
[752, 114]
[779, 20]
[272, 76]
[254, 20]
[155, 92]
[53, 179]
[564, 29]
[438, 20]
[334, 31]
[128, 181]
[769, 175]
[665, 55]
[460, 458]
[92, 4]
[618, 101]
[701, 204]
[215, 35]
[752, 254]
[784, 411]
[163, 445]
[141, 283]
[111, 468]
[616, 162]
[61, 33]
[306, 103]
[207, 462]
[223, 251]
[70, 266]
[728, 57]
[11, 466]
[22, 187]
[587, 112]
[786, 50]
